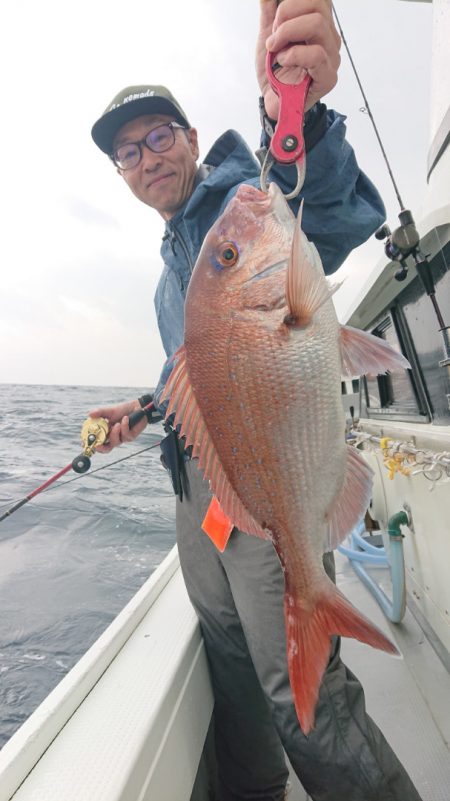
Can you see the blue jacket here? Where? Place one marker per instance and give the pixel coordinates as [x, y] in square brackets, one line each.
[342, 209]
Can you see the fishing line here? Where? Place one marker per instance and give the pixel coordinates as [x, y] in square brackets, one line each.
[98, 469]
[91, 472]
[94, 432]
[404, 242]
[368, 109]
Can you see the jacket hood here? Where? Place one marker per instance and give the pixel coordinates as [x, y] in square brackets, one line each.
[229, 162]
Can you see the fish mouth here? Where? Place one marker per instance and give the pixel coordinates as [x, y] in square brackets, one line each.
[273, 268]
[247, 193]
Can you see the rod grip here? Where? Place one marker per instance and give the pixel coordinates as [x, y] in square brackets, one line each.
[136, 417]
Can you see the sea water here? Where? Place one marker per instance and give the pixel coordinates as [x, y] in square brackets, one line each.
[74, 556]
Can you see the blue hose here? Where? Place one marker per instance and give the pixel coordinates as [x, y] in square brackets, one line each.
[362, 553]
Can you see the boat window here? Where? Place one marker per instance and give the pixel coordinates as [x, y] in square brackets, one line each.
[393, 395]
[355, 385]
[422, 329]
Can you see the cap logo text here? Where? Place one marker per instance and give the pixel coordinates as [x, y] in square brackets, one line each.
[134, 96]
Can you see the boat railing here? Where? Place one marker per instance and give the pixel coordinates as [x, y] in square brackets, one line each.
[135, 709]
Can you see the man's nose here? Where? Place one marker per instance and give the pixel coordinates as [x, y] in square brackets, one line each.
[150, 160]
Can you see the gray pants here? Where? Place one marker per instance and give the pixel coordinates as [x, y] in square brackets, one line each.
[238, 596]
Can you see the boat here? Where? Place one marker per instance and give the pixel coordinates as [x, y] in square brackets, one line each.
[133, 719]
[404, 418]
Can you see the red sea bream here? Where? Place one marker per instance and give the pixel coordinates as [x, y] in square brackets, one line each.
[256, 389]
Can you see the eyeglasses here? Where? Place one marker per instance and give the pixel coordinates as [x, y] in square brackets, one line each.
[157, 140]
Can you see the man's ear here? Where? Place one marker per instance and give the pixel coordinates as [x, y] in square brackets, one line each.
[193, 141]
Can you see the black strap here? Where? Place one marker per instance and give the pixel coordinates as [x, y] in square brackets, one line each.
[172, 459]
[152, 415]
[314, 126]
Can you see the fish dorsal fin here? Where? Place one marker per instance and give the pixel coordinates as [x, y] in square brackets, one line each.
[352, 502]
[363, 353]
[188, 415]
[306, 287]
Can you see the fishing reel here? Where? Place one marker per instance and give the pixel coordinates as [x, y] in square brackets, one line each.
[94, 432]
[399, 246]
[402, 243]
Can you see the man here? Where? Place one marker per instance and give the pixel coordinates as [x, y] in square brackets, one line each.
[238, 595]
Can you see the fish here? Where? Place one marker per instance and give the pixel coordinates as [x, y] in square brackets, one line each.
[256, 391]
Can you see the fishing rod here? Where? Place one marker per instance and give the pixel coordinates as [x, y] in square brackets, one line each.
[110, 464]
[404, 241]
[94, 432]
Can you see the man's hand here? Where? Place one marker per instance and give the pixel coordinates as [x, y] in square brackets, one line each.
[303, 35]
[118, 420]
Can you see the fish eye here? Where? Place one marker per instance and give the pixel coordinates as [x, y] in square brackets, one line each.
[227, 255]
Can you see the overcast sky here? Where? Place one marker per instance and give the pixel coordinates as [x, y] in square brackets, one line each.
[79, 254]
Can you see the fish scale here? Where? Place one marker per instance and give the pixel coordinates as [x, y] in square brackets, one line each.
[257, 392]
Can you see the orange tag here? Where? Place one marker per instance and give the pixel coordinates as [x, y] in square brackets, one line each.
[217, 525]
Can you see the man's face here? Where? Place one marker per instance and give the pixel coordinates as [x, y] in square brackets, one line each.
[163, 181]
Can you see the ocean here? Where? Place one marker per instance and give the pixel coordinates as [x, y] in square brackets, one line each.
[71, 558]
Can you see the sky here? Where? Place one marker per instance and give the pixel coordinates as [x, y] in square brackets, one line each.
[79, 254]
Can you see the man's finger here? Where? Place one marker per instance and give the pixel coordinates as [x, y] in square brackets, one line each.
[105, 412]
[310, 28]
[114, 436]
[268, 9]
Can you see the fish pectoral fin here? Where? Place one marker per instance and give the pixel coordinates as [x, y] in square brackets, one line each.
[363, 353]
[188, 415]
[353, 500]
[308, 633]
[306, 286]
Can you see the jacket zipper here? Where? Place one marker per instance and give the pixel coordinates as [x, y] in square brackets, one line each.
[178, 238]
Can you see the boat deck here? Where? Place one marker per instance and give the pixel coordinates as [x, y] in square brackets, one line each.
[409, 698]
[139, 702]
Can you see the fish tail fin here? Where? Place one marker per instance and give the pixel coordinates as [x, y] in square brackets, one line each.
[308, 635]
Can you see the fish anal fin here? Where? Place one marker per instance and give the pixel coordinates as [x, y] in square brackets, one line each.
[363, 353]
[308, 634]
[306, 286]
[353, 500]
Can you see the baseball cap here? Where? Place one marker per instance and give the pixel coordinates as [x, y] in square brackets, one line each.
[132, 102]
